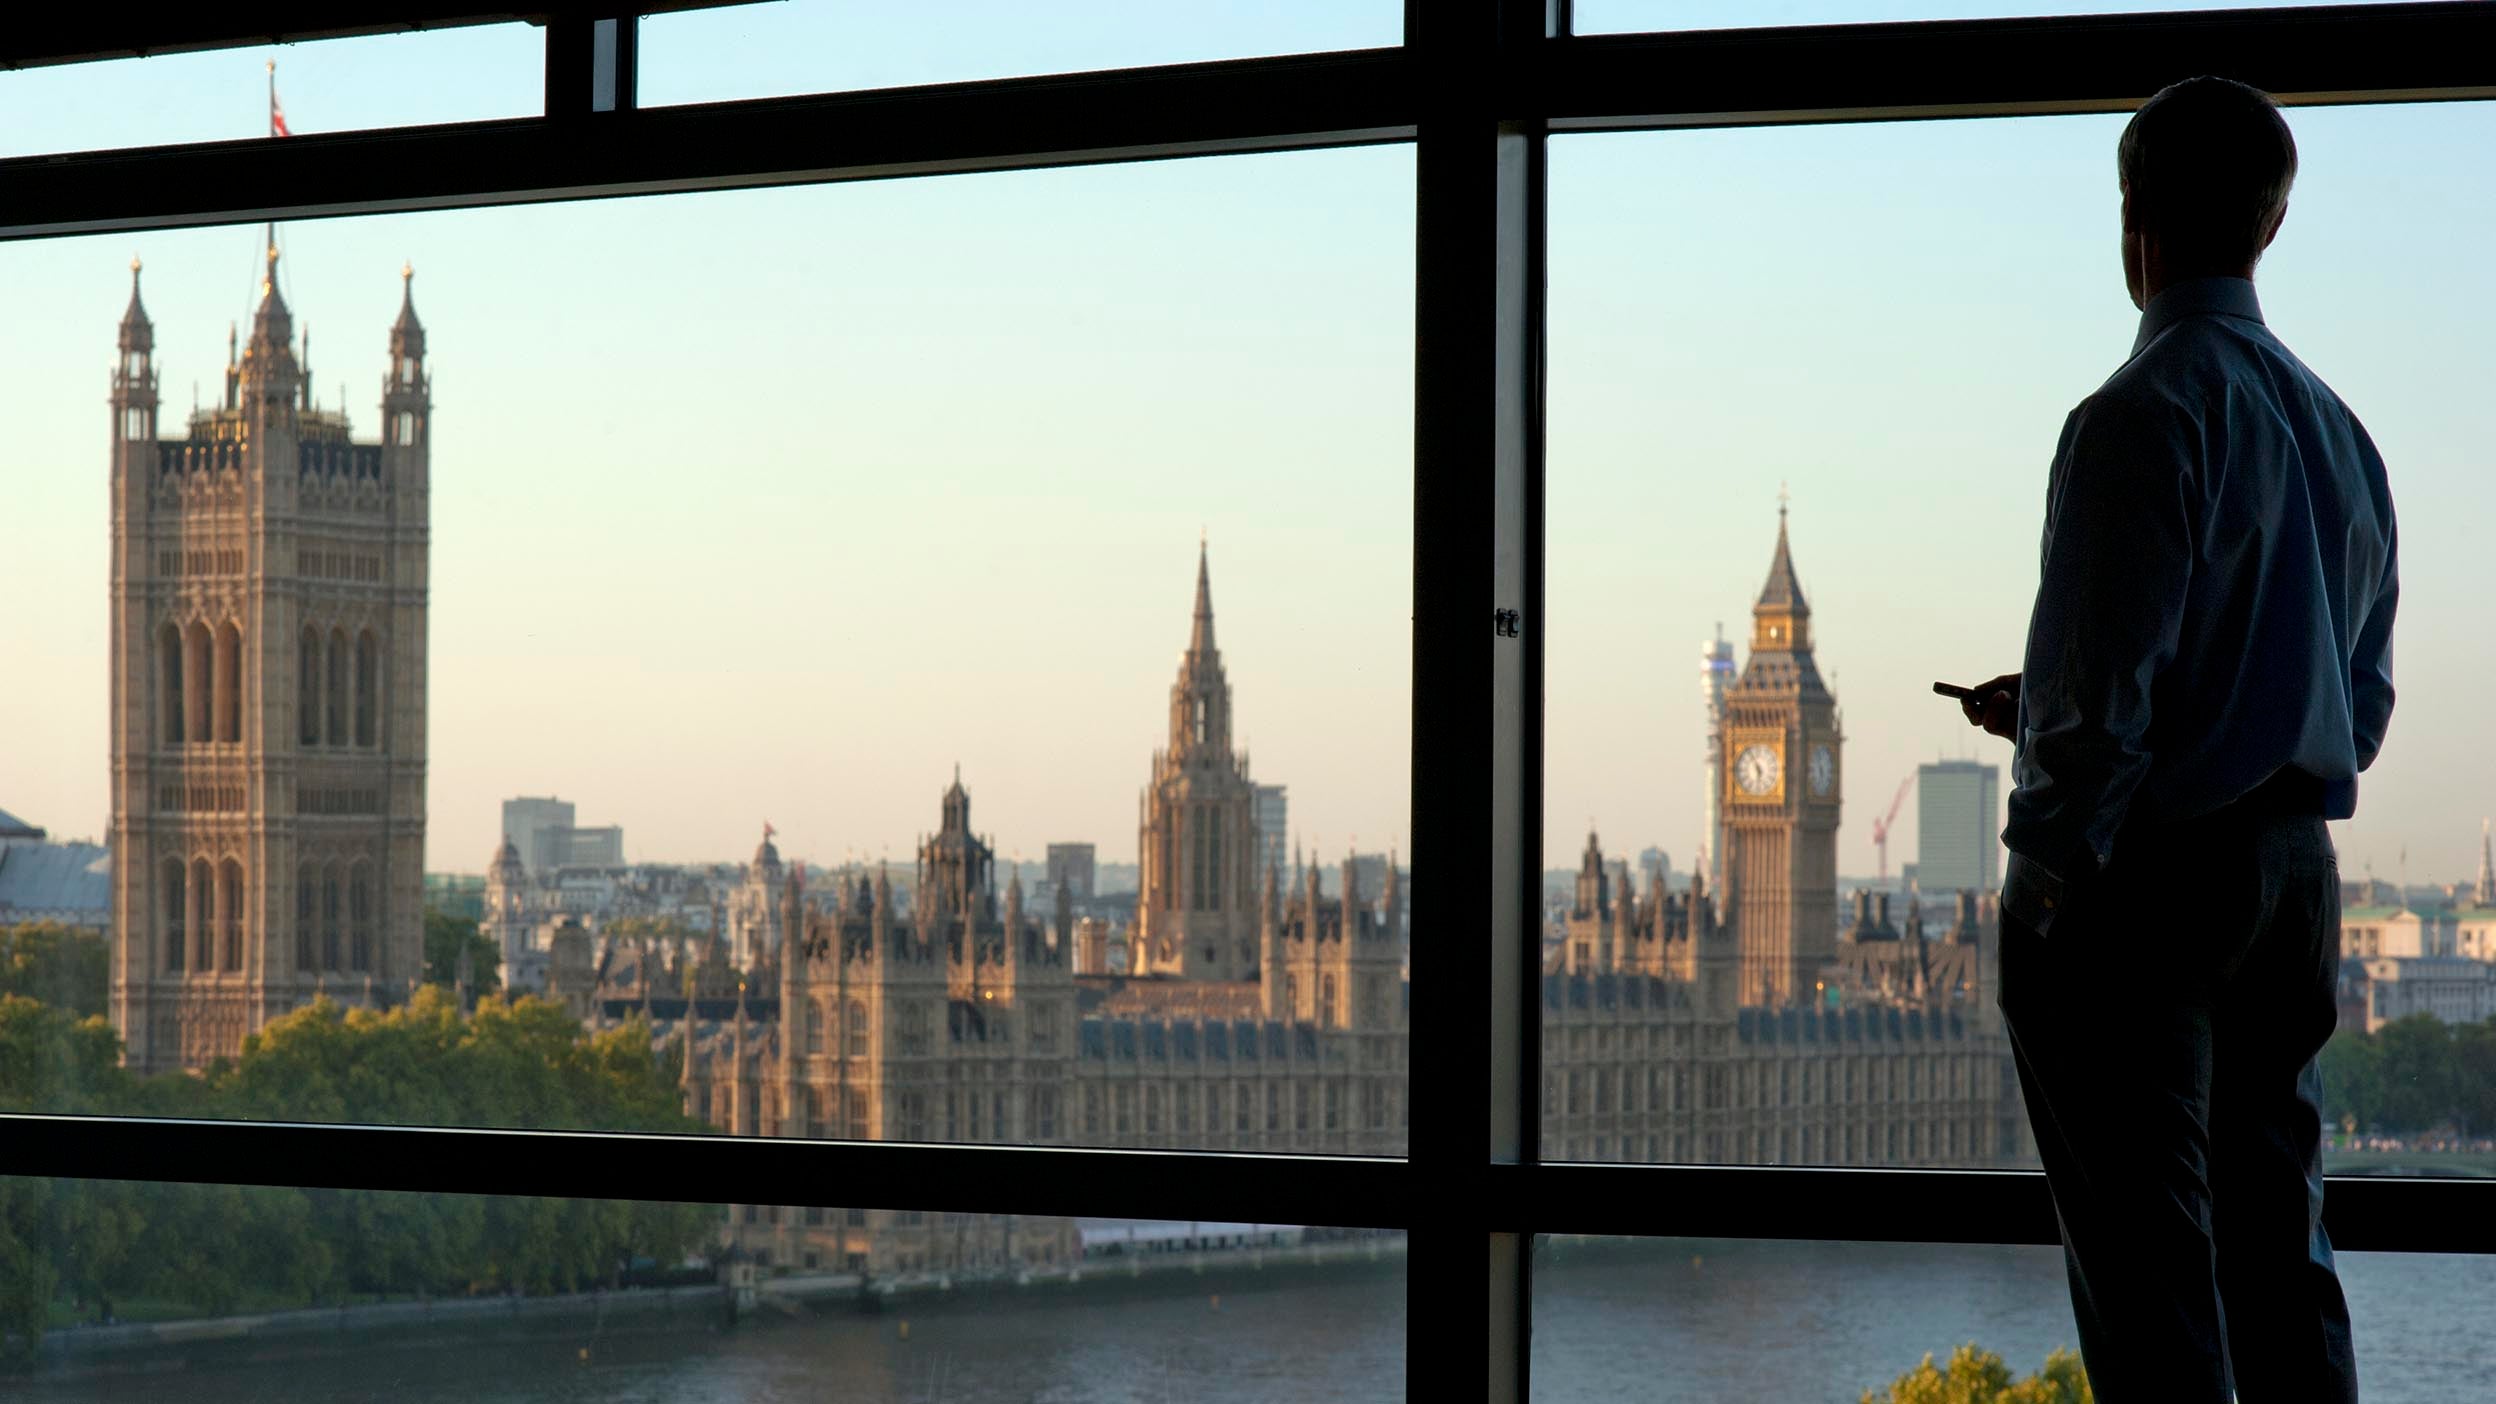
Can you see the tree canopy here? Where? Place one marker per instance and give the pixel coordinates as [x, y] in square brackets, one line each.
[2414, 1074]
[1978, 1376]
[208, 1249]
[63, 966]
[445, 937]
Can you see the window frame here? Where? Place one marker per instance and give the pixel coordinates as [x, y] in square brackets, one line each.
[1477, 89]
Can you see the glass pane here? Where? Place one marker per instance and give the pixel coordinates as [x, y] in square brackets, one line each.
[827, 634]
[813, 46]
[333, 85]
[123, 1291]
[1839, 359]
[1713, 1318]
[1630, 16]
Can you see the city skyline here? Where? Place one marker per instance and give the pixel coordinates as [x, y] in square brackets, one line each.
[1052, 380]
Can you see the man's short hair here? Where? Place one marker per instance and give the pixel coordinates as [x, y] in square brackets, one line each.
[2207, 163]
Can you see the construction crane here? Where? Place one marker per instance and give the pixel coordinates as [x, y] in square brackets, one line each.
[1880, 826]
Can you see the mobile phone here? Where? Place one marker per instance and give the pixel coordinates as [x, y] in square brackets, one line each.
[1964, 694]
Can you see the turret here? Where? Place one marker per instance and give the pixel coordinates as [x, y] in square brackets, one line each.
[407, 395]
[134, 376]
[740, 1123]
[1394, 922]
[795, 972]
[1271, 919]
[1719, 949]
[268, 376]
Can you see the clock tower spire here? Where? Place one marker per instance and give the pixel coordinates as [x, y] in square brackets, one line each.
[1779, 740]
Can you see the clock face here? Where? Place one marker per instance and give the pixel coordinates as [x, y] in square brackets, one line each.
[1758, 769]
[1823, 771]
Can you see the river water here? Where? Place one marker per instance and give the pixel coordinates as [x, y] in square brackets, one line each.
[1795, 1323]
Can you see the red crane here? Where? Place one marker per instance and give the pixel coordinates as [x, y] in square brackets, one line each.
[1880, 826]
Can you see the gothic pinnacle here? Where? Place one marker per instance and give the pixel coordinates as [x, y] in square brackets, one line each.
[1200, 636]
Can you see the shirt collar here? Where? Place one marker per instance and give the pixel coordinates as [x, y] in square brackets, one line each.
[2197, 297]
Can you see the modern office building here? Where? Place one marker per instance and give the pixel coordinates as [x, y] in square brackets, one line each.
[1958, 826]
[1073, 870]
[544, 832]
[1273, 829]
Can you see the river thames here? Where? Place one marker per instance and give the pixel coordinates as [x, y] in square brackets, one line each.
[1691, 1320]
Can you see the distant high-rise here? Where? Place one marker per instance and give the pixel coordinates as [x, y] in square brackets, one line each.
[1273, 822]
[1957, 812]
[1073, 870]
[544, 832]
[1715, 675]
[532, 824]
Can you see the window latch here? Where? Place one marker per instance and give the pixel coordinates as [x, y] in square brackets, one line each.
[1505, 622]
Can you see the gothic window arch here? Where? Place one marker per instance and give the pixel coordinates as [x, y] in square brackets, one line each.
[307, 918]
[169, 667]
[330, 915]
[196, 670]
[857, 1029]
[203, 916]
[308, 688]
[335, 708]
[177, 910]
[814, 1027]
[230, 916]
[360, 918]
[228, 699]
[367, 685]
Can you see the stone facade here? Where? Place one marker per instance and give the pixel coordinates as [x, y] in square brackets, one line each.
[964, 1016]
[1196, 907]
[1779, 750]
[268, 692]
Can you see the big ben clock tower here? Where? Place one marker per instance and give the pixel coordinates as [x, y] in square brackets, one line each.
[1780, 745]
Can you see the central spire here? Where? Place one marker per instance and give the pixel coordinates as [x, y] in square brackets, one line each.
[1783, 591]
[1200, 636]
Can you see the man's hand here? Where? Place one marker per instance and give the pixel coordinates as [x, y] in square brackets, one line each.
[1995, 707]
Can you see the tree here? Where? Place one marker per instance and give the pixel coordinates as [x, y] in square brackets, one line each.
[445, 937]
[53, 1061]
[60, 965]
[1977, 1376]
[2421, 1081]
[2352, 1080]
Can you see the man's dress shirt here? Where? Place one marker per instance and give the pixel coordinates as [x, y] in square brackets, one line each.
[2216, 599]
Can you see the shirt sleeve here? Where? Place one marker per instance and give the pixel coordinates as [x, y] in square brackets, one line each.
[2120, 527]
[2370, 667]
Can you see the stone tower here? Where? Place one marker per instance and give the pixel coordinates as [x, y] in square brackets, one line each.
[1780, 748]
[268, 692]
[1196, 912]
[507, 914]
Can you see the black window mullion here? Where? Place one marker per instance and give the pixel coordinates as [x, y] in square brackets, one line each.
[1476, 801]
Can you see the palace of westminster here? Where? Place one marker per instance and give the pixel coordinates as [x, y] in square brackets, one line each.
[268, 778]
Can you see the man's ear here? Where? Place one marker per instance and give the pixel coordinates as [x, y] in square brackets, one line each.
[2276, 221]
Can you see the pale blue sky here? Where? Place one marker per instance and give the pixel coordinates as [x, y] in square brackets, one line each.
[776, 504]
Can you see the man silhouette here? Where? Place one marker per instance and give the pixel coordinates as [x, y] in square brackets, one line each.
[2208, 668]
